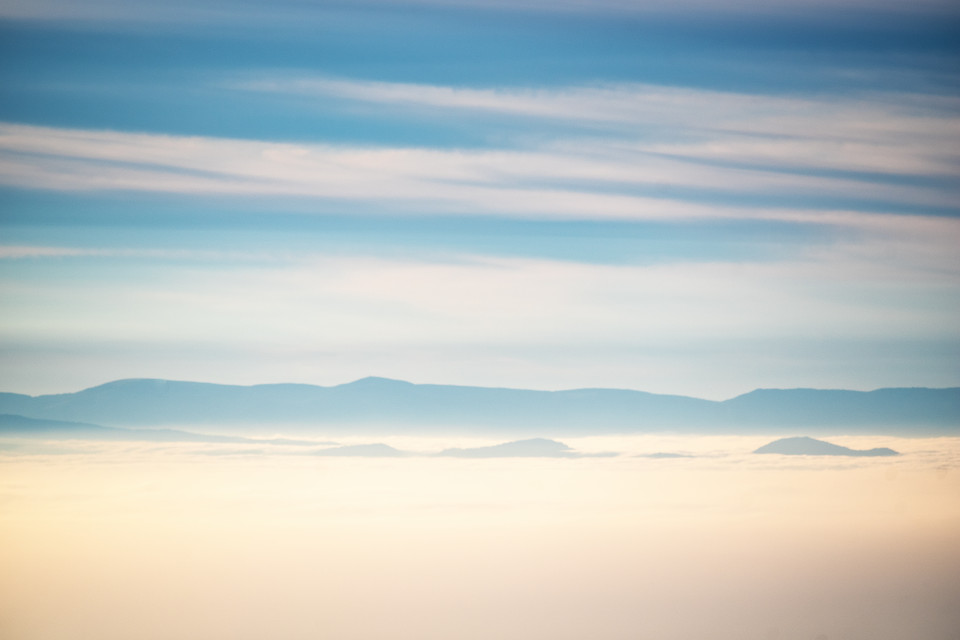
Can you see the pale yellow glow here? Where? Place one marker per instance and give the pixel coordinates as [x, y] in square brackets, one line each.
[152, 542]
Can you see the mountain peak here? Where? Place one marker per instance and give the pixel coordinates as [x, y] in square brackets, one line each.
[375, 381]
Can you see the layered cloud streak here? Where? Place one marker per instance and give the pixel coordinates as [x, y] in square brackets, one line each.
[642, 152]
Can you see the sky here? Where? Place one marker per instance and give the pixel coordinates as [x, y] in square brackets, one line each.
[699, 198]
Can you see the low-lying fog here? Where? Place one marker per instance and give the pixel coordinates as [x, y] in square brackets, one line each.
[114, 541]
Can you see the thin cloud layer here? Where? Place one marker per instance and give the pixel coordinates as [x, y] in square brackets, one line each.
[893, 133]
[432, 315]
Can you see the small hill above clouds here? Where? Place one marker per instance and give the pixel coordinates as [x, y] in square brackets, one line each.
[376, 450]
[532, 448]
[804, 446]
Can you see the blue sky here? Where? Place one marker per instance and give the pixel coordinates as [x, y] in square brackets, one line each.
[700, 198]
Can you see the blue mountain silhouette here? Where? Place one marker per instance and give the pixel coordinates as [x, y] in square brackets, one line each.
[805, 446]
[381, 404]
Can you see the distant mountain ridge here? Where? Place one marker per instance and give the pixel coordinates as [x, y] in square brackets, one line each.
[384, 404]
[17, 426]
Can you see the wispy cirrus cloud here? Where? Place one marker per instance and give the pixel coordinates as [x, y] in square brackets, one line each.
[588, 178]
[890, 133]
[627, 151]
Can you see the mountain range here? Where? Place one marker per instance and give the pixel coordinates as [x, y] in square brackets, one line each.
[380, 404]
[15, 426]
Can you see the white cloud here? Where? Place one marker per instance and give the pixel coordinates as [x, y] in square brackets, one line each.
[639, 140]
[895, 133]
[584, 179]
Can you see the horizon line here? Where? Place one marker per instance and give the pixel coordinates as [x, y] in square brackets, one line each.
[469, 386]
